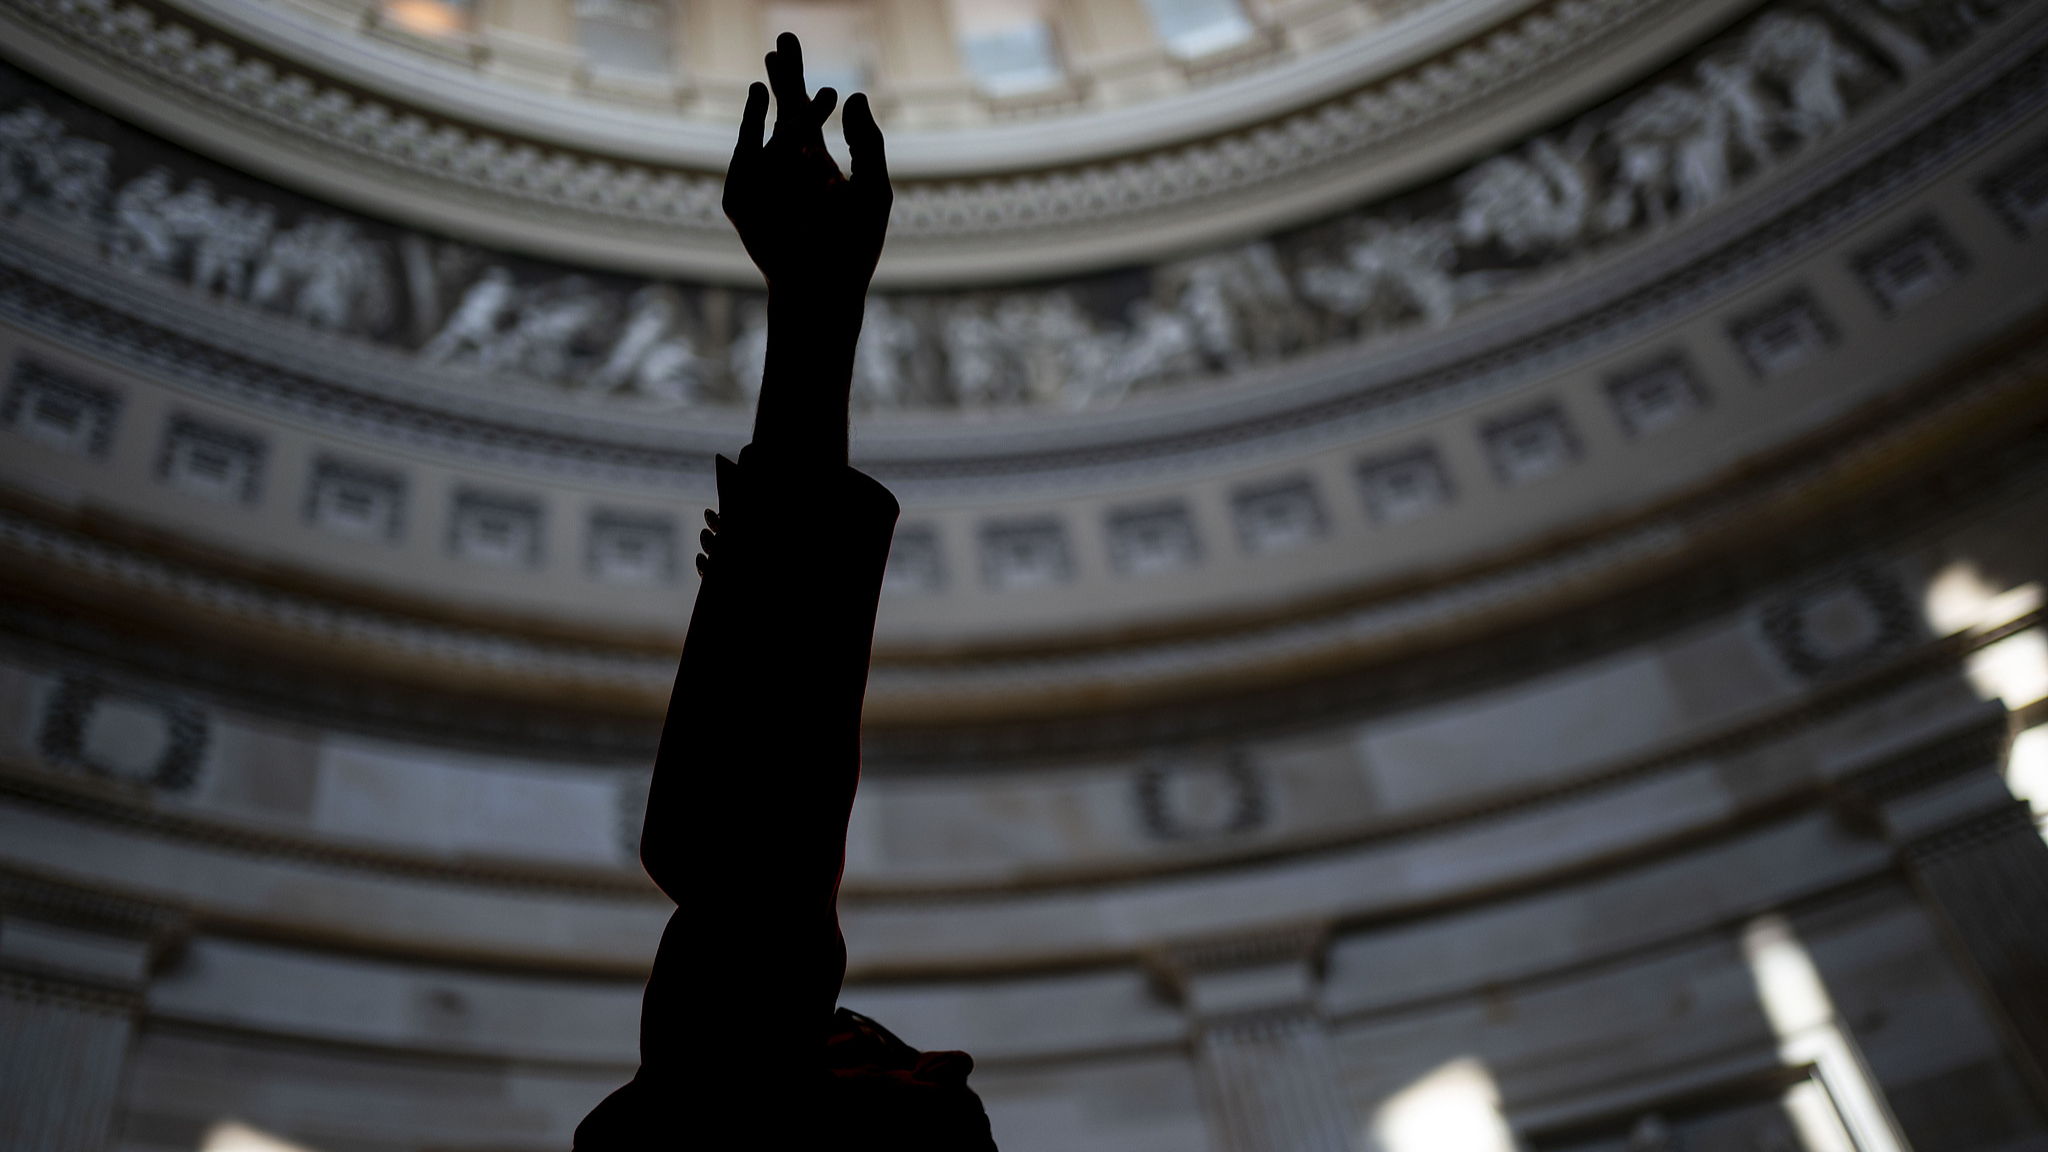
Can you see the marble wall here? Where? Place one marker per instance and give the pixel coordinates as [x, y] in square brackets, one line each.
[1530, 911]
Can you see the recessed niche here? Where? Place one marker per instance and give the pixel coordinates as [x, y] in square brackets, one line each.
[1278, 516]
[1911, 265]
[1782, 335]
[1404, 486]
[631, 548]
[212, 461]
[1529, 445]
[1656, 396]
[58, 409]
[496, 529]
[2018, 192]
[1151, 539]
[1023, 554]
[358, 501]
[915, 561]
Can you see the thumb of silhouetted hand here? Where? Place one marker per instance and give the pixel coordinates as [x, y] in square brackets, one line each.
[807, 226]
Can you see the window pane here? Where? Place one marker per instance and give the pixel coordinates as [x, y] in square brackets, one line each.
[630, 35]
[1007, 45]
[837, 38]
[1199, 27]
[429, 17]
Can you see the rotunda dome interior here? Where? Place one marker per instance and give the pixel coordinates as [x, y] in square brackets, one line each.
[1470, 571]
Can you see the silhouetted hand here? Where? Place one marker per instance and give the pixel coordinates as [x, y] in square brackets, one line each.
[807, 227]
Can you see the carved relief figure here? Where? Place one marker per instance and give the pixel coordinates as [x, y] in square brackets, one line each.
[651, 356]
[1162, 343]
[973, 355]
[1658, 156]
[1240, 302]
[43, 165]
[886, 338]
[477, 320]
[1046, 341]
[1389, 270]
[323, 273]
[1536, 201]
[554, 329]
[1731, 86]
[1672, 146]
[225, 236]
[153, 230]
[141, 239]
[1801, 53]
[671, 372]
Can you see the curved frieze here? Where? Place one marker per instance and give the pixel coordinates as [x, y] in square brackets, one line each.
[674, 207]
[1853, 184]
[1729, 113]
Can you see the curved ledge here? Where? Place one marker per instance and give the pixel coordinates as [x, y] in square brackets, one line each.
[600, 211]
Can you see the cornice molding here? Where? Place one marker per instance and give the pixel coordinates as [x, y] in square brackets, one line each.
[1978, 429]
[250, 357]
[340, 143]
[133, 809]
[126, 808]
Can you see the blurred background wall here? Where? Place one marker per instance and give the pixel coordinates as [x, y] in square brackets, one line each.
[1471, 573]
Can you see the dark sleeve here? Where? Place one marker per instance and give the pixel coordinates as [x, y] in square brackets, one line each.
[760, 757]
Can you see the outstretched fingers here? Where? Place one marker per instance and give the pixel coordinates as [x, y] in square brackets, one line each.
[864, 145]
[786, 76]
[740, 178]
[821, 110]
[752, 122]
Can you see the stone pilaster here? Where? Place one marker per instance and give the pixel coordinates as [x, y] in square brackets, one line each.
[928, 87]
[532, 41]
[1974, 855]
[1117, 51]
[73, 970]
[723, 42]
[1267, 1069]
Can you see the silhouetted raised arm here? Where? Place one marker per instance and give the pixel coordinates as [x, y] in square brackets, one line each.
[760, 755]
[816, 235]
